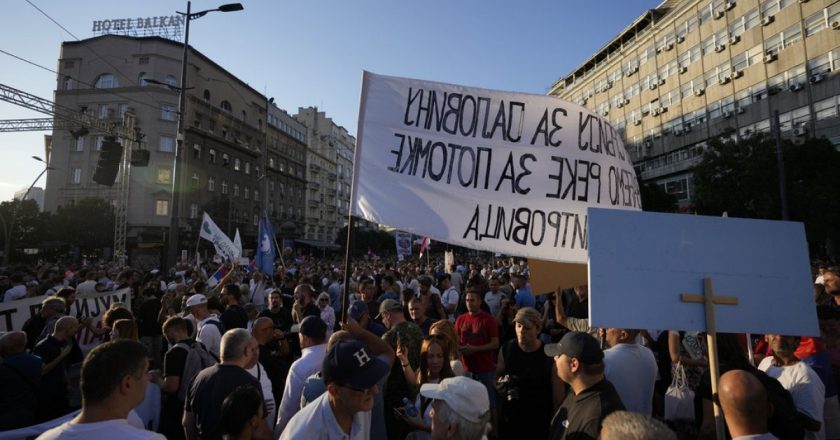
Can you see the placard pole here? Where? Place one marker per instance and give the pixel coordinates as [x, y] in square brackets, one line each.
[711, 339]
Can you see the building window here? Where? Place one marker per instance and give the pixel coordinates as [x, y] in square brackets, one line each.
[77, 176]
[79, 145]
[226, 106]
[236, 190]
[167, 113]
[162, 207]
[171, 81]
[193, 211]
[164, 175]
[196, 151]
[256, 220]
[256, 195]
[97, 145]
[104, 111]
[236, 164]
[143, 60]
[211, 184]
[247, 167]
[141, 79]
[246, 193]
[206, 95]
[212, 154]
[167, 144]
[224, 187]
[106, 81]
[225, 159]
[244, 115]
[196, 181]
[69, 83]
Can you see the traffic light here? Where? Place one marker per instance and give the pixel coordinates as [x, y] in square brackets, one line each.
[108, 166]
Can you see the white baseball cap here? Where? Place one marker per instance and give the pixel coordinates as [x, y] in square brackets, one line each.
[196, 299]
[465, 396]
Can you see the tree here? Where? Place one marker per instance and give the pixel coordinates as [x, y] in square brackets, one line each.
[741, 178]
[655, 199]
[29, 230]
[87, 225]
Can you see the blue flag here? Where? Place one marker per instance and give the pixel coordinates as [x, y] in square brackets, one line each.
[265, 247]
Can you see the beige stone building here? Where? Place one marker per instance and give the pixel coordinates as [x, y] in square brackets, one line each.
[691, 69]
[242, 154]
[329, 164]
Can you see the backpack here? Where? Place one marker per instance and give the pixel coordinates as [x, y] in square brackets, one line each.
[198, 358]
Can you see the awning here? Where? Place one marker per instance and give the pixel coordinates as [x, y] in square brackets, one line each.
[318, 244]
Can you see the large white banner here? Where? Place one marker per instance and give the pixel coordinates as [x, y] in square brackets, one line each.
[13, 314]
[224, 246]
[497, 171]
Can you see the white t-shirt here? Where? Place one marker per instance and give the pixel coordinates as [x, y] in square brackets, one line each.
[631, 368]
[269, 406]
[493, 301]
[118, 428]
[805, 387]
[209, 335]
[15, 293]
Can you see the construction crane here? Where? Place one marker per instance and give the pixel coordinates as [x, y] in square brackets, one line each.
[67, 118]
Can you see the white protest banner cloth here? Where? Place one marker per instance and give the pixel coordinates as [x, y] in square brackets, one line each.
[13, 314]
[489, 170]
[403, 242]
[224, 246]
[237, 246]
[641, 262]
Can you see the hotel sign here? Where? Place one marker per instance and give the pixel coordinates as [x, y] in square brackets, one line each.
[168, 26]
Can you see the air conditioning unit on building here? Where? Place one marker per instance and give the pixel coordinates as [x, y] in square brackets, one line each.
[656, 111]
[637, 122]
[648, 144]
[736, 74]
[800, 131]
[663, 109]
[724, 80]
[741, 110]
[669, 46]
[680, 39]
[818, 78]
[729, 5]
[699, 92]
[608, 86]
[652, 86]
[734, 39]
[661, 81]
[835, 24]
[767, 20]
[718, 15]
[720, 48]
[727, 114]
[769, 57]
[795, 87]
[645, 111]
[683, 69]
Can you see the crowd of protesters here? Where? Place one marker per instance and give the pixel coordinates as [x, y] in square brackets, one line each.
[411, 350]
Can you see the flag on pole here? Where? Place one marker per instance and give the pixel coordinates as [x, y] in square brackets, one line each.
[424, 244]
[265, 247]
[217, 277]
[237, 246]
[224, 247]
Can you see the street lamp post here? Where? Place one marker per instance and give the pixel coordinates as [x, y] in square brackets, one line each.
[172, 248]
[9, 231]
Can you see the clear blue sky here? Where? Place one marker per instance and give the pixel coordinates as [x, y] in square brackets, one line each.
[313, 52]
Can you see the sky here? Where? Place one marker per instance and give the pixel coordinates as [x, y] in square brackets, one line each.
[312, 53]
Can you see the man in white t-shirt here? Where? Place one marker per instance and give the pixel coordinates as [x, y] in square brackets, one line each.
[113, 381]
[493, 297]
[804, 384]
[631, 368]
[449, 297]
[208, 330]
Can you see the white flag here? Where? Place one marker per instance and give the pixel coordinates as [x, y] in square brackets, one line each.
[224, 247]
[237, 245]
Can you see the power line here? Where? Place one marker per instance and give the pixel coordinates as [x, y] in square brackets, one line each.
[78, 80]
[51, 19]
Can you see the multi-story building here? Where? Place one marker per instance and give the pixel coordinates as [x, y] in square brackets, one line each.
[36, 194]
[329, 164]
[241, 154]
[689, 70]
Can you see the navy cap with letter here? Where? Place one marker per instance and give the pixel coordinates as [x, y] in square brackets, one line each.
[350, 363]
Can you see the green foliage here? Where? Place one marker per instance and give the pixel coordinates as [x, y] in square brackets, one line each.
[741, 178]
[87, 225]
[655, 199]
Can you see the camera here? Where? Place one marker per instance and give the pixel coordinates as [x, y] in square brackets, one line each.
[508, 386]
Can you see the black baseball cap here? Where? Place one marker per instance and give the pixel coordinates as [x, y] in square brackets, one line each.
[350, 363]
[579, 345]
[314, 327]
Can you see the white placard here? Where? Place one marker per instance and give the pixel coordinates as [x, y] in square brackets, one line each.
[496, 171]
[640, 263]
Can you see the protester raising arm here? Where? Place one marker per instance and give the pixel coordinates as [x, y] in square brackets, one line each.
[377, 345]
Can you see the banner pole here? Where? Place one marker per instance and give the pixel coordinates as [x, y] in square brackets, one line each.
[348, 254]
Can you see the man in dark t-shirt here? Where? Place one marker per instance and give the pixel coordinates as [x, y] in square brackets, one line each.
[176, 332]
[53, 397]
[20, 375]
[278, 312]
[203, 407]
[580, 363]
[234, 315]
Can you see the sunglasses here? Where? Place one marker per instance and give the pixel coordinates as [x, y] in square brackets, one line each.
[437, 336]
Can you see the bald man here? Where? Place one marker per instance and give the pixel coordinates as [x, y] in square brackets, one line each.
[745, 405]
[20, 374]
[53, 399]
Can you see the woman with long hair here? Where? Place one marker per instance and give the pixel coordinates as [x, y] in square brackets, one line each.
[434, 367]
[445, 330]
